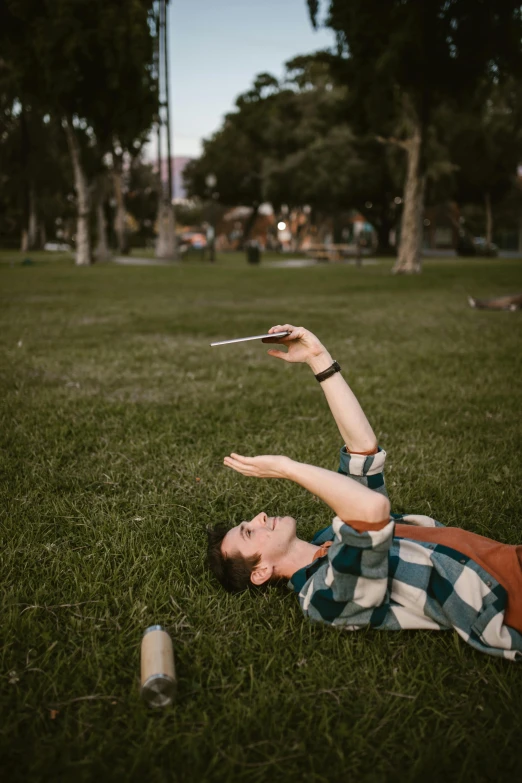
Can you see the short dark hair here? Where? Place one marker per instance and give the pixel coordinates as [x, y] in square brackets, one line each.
[233, 572]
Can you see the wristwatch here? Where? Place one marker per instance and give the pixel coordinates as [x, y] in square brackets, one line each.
[322, 376]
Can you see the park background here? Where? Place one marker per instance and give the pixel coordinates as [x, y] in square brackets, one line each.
[394, 148]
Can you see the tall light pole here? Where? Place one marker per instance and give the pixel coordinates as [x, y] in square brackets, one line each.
[211, 182]
[167, 103]
[157, 70]
[166, 245]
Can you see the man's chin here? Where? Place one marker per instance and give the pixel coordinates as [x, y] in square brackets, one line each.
[289, 522]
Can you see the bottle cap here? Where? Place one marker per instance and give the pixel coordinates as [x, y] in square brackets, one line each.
[158, 690]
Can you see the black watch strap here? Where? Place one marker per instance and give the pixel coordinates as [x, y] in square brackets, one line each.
[322, 376]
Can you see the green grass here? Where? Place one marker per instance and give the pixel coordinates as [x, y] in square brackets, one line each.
[116, 415]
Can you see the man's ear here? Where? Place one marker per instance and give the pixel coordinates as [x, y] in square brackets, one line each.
[261, 574]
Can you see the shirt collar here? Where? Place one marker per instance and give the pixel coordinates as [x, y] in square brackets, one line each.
[299, 579]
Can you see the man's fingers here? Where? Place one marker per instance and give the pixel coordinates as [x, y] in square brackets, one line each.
[235, 464]
[239, 461]
[284, 328]
[275, 330]
[295, 331]
[295, 334]
[239, 467]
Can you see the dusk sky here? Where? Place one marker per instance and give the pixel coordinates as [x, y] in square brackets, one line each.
[216, 49]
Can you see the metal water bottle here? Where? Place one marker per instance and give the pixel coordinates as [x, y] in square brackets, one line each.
[158, 675]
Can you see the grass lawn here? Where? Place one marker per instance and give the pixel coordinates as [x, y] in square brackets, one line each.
[116, 415]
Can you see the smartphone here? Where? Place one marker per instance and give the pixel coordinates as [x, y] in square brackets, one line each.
[255, 337]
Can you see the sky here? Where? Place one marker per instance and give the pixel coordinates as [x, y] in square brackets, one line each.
[216, 49]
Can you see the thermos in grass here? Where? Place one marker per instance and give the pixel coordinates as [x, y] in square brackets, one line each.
[158, 675]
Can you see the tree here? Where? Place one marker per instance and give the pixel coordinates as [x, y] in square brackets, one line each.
[235, 154]
[486, 144]
[291, 142]
[122, 119]
[323, 162]
[35, 175]
[141, 199]
[402, 58]
[60, 54]
[22, 131]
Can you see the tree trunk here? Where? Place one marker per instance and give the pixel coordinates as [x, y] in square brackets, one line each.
[83, 240]
[119, 220]
[101, 252]
[30, 239]
[24, 190]
[489, 220]
[166, 244]
[410, 247]
[32, 226]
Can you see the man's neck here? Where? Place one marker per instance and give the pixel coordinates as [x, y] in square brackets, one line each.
[299, 555]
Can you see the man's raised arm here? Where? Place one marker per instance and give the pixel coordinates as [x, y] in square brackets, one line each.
[305, 347]
[351, 501]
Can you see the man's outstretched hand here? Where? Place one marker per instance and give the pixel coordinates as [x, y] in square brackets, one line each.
[302, 345]
[266, 466]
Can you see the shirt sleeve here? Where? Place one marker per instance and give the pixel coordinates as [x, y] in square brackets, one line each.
[368, 470]
[418, 520]
[351, 587]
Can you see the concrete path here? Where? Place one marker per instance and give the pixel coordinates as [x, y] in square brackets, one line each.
[298, 262]
[290, 262]
[287, 263]
[137, 261]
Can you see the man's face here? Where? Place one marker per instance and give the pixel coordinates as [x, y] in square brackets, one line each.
[270, 537]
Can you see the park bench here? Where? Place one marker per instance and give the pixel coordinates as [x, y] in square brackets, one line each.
[331, 252]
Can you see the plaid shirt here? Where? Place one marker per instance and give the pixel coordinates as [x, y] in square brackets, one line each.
[373, 579]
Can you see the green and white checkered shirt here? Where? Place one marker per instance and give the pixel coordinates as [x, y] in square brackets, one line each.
[372, 578]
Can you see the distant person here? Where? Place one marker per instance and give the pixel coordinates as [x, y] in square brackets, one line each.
[369, 568]
[512, 303]
[198, 242]
[210, 237]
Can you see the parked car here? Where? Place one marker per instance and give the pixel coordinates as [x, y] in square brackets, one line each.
[57, 246]
[476, 246]
[483, 249]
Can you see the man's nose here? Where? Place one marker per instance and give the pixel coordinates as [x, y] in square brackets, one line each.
[260, 519]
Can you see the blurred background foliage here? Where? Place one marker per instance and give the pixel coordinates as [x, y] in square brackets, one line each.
[419, 106]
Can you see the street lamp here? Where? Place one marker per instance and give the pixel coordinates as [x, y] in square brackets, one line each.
[211, 182]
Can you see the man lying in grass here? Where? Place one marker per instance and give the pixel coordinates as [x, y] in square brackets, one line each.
[369, 567]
